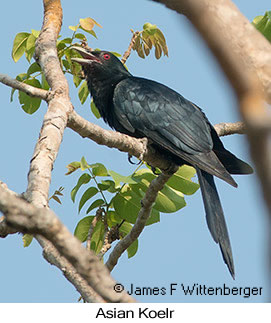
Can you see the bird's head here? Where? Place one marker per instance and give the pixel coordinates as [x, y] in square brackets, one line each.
[100, 64]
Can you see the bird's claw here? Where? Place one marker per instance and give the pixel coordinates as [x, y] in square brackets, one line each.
[130, 160]
[154, 170]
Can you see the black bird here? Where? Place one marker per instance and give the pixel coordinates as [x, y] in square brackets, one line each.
[143, 108]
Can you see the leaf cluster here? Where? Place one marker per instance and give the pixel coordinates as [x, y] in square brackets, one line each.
[151, 36]
[120, 198]
[24, 43]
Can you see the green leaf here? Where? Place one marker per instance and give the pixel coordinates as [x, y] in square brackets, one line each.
[94, 205]
[36, 33]
[147, 39]
[66, 64]
[150, 28]
[118, 178]
[146, 49]
[44, 83]
[80, 36]
[161, 39]
[263, 24]
[132, 249]
[82, 228]
[60, 48]
[30, 104]
[12, 94]
[21, 77]
[140, 51]
[104, 186]
[88, 194]
[88, 23]
[76, 68]
[113, 219]
[19, 46]
[181, 180]
[33, 68]
[83, 179]
[67, 40]
[72, 167]
[168, 199]
[76, 80]
[68, 54]
[30, 47]
[84, 164]
[99, 169]
[94, 109]
[27, 239]
[74, 28]
[160, 36]
[29, 54]
[107, 185]
[91, 32]
[186, 171]
[83, 92]
[127, 204]
[97, 238]
[116, 54]
[158, 50]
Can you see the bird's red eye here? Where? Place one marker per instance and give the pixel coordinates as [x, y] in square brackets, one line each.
[106, 57]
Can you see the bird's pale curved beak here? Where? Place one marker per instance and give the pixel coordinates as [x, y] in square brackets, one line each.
[87, 57]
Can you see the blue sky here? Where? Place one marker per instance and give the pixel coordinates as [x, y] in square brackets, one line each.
[179, 249]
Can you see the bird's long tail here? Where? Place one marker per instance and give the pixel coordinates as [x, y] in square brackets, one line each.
[215, 217]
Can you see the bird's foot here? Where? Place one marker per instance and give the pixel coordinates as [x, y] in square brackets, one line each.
[130, 160]
[155, 171]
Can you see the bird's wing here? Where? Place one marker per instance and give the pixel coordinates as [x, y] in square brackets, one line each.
[150, 107]
[157, 112]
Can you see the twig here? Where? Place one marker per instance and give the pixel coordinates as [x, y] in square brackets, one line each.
[28, 89]
[128, 51]
[98, 216]
[110, 236]
[5, 230]
[136, 147]
[155, 186]
[53, 257]
[106, 245]
[228, 128]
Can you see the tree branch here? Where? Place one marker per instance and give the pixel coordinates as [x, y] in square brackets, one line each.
[222, 129]
[21, 86]
[155, 186]
[229, 128]
[47, 147]
[27, 218]
[136, 147]
[55, 120]
[54, 258]
[236, 39]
